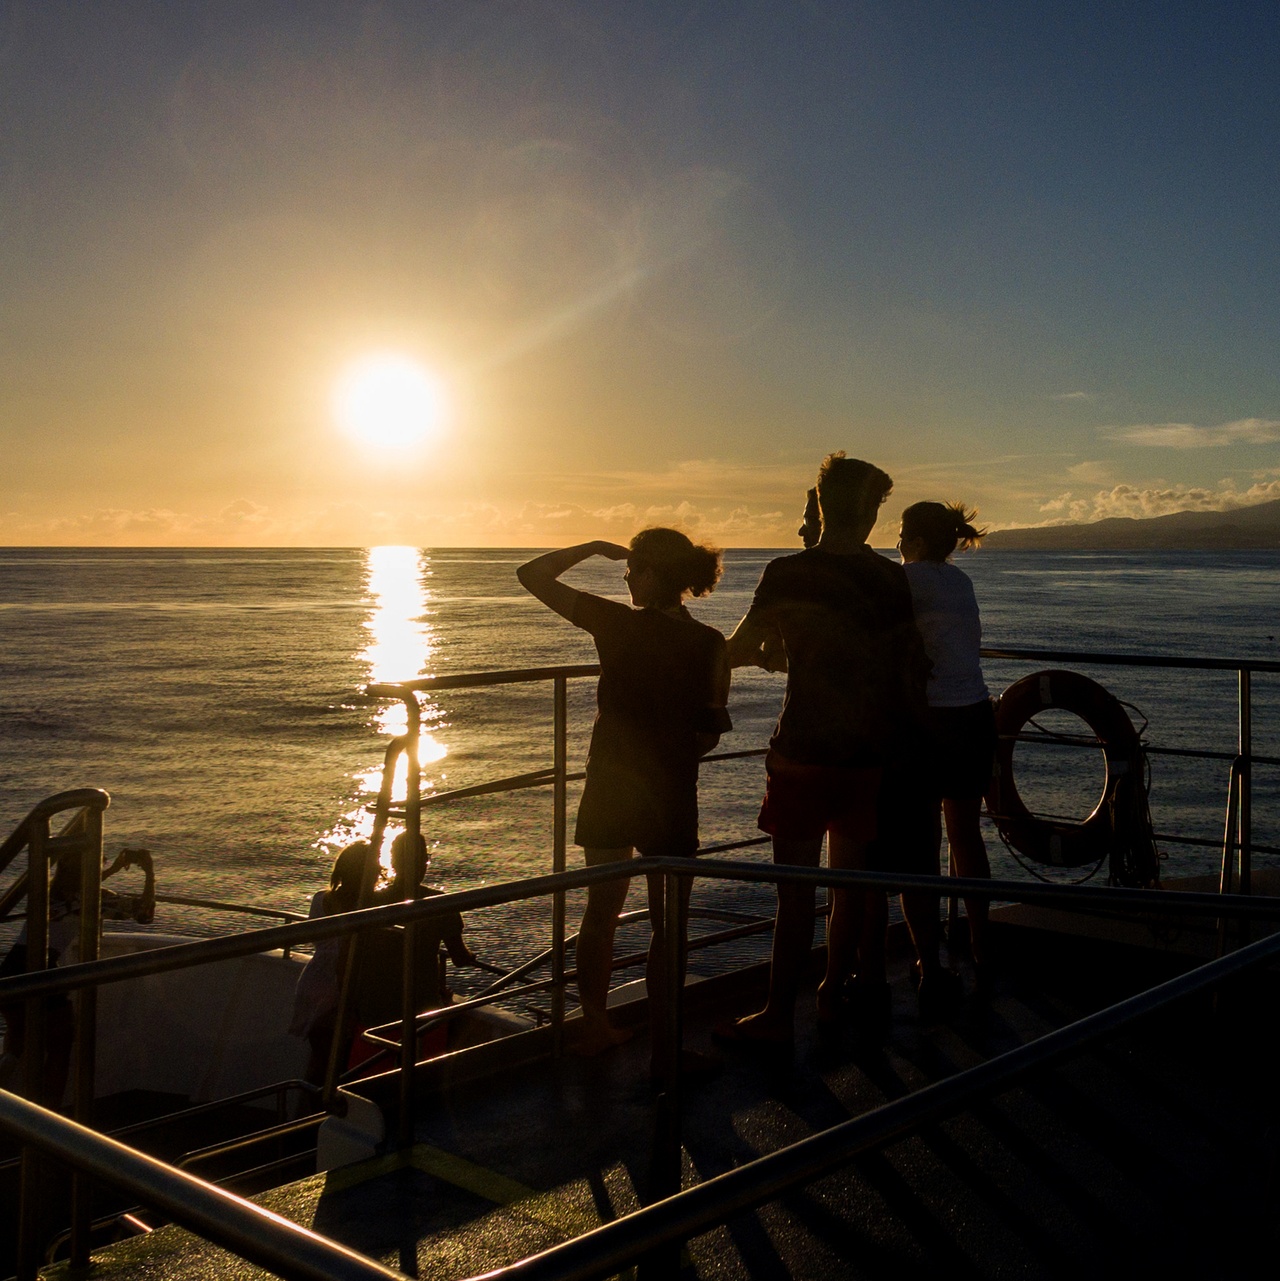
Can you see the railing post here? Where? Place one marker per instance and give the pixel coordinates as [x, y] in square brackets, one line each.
[408, 1035]
[351, 944]
[559, 843]
[1229, 847]
[1246, 785]
[86, 1024]
[408, 996]
[30, 1201]
[668, 1036]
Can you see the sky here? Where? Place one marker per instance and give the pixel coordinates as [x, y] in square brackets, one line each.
[657, 259]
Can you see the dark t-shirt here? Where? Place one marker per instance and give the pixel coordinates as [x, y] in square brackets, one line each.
[856, 666]
[379, 971]
[661, 678]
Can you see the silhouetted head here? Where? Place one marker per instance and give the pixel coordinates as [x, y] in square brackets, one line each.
[409, 858]
[349, 868]
[664, 566]
[932, 531]
[811, 522]
[850, 492]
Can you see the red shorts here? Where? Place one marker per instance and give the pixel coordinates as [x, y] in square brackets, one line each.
[806, 801]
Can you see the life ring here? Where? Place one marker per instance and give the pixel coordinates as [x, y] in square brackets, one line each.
[1052, 841]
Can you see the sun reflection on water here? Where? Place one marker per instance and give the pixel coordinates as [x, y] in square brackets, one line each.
[399, 643]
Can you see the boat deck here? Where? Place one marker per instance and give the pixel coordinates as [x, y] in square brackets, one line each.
[1161, 1149]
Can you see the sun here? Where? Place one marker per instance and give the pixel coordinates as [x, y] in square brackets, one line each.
[389, 401]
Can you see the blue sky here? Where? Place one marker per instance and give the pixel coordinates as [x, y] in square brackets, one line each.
[663, 257]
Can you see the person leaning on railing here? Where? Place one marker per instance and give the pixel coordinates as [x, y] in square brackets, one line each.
[838, 617]
[64, 932]
[664, 684]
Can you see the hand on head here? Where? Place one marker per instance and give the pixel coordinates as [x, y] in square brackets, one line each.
[611, 551]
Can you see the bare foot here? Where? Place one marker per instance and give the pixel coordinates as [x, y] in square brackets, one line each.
[596, 1036]
[763, 1028]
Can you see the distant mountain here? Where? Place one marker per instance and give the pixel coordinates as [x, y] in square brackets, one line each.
[1239, 530]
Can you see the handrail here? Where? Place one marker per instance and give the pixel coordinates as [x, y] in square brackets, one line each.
[217, 1215]
[183, 900]
[76, 798]
[1132, 660]
[292, 1251]
[1077, 898]
[221, 1217]
[477, 680]
[611, 1248]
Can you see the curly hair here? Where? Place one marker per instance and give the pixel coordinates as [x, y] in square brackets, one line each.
[682, 566]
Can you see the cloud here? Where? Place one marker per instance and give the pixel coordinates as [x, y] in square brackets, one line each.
[348, 523]
[1244, 431]
[1129, 500]
[1091, 473]
[1073, 395]
[533, 523]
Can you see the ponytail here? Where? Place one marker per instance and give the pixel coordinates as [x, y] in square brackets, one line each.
[943, 526]
[968, 536]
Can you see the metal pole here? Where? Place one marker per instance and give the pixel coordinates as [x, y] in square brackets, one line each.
[408, 1034]
[255, 1234]
[409, 956]
[953, 907]
[86, 1025]
[1246, 786]
[668, 1036]
[559, 837]
[30, 1202]
[1228, 849]
[351, 946]
[413, 790]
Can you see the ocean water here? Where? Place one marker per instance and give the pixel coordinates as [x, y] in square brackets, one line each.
[217, 695]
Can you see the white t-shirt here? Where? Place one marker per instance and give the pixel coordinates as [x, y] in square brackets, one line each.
[947, 615]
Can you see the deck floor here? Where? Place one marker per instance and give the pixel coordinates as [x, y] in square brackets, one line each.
[1157, 1151]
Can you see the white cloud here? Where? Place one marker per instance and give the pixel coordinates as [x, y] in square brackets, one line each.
[1129, 500]
[1073, 395]
[1244, 431]
[1090, 473]
[347, 523]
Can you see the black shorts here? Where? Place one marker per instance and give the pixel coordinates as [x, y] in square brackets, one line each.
[653, 811]
[963, 749]
[907, 806]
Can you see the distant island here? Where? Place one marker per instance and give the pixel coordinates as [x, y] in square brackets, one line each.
[1243, 529]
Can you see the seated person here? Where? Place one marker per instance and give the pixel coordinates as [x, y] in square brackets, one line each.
[315, 1002]
[379, 977]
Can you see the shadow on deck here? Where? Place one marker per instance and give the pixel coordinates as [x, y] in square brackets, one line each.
[1157, 1151]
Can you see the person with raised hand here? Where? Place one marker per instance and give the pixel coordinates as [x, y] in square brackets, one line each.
[852, 714]
[661, 706]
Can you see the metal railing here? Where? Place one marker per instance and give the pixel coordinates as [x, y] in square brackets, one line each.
[86, 976]
[80, 840]
[293, 1252]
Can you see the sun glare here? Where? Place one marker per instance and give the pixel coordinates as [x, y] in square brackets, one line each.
[389, 401]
